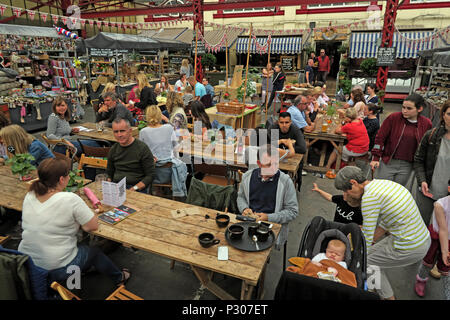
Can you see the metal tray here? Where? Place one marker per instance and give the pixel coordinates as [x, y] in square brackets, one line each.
[246, 243]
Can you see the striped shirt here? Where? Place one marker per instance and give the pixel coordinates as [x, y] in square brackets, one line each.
[390, 205]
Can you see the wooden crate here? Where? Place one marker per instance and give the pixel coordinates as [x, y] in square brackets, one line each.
[230, 107]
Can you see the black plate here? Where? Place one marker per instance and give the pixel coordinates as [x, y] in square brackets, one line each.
[246, 243]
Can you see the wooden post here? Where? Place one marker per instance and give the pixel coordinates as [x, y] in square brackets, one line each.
[226, 64]
[267, 86]
[246, 72]
[195, 63]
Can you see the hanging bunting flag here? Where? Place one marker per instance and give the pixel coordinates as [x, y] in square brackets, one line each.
[55, 18]
[2, 9]
[44, 16]
[99, 24]
[17, 12]
[83, 22]
[64, 20]
[31, 14]
[91, 22]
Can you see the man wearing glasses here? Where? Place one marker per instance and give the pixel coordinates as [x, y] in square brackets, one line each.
[324, 66]
[298, 114]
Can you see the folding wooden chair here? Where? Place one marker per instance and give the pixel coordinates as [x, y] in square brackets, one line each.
[91, 162]
[119, 294]
[101, 152]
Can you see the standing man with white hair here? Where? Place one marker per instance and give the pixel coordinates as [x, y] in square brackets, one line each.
[387, 208]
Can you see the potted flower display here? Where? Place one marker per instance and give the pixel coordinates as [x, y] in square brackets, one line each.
[21, 165]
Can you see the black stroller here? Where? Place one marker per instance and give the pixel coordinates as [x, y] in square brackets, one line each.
[315, 238]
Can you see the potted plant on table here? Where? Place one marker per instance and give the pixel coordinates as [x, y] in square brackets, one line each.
[75, 181]
[21, 164]
[209, 61]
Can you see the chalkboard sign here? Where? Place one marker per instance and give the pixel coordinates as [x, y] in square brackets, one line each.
[200, 47]
[105, 52]
[288, 63]
[386, 56]
[176, 60]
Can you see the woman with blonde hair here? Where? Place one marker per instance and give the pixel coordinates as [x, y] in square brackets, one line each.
[358, 139]
[145, 93]
[175, 107]
[161, 140]
[185, 68]
[18, 141]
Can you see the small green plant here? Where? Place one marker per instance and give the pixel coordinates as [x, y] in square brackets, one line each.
[331, 110]
[21, 164]
[346, 85]
[343, 48]
[294, 81]
[369, 66]
[142, 125]
[344, 63]
[240, 91]
[164, 94]
[75, 181]
[342, 74]
[209, 60]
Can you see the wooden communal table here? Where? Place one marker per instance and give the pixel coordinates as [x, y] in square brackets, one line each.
[225, 155]
[107, 133]
[336, 140]
[153, 229]
[234, 120]
[12, 190]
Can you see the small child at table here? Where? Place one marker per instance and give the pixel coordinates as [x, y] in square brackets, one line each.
[188, 96]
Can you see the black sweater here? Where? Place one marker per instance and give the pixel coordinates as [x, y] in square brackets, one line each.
[147, 98]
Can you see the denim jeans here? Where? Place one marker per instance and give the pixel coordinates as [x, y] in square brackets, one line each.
[88, 142]
[86, 258]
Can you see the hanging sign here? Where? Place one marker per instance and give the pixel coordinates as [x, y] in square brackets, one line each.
[386, 56]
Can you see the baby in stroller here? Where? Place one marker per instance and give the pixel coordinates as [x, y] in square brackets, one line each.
[335, 251]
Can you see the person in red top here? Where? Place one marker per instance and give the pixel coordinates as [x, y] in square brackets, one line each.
[398, 139]
[324, 66]
[358, 140]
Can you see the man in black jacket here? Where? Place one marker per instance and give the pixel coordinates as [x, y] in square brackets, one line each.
[112, 109]
[278, 84]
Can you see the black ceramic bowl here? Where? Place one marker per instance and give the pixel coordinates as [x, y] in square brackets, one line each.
[252, 227]
[207, 240]
[222, 220]
[236, 231]
[262, 233]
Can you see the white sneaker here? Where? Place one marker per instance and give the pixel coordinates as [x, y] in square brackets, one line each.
[304, 173]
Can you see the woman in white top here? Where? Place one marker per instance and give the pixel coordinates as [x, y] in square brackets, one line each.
[181, 83]
[51, 219]
[161, 140]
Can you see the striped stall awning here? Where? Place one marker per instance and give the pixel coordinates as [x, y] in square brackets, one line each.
[279, 45]
[364, 44]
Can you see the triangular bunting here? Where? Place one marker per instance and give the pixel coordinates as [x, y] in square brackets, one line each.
[2, 9]
[55, 18]
[44, 16]
[31, 14]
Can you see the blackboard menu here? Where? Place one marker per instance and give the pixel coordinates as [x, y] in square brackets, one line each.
[200, 47]
[386, 56]
[288, 63]
[175, 60]
[105, 52]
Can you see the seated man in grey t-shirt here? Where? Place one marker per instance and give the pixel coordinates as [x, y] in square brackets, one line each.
[112, 109]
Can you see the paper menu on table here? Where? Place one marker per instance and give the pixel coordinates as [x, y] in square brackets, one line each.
[114, 194]
[84, 129]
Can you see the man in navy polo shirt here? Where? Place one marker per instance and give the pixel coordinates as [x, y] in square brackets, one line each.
[269, 193]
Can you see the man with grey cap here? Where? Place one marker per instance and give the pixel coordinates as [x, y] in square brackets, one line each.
[387, 209]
